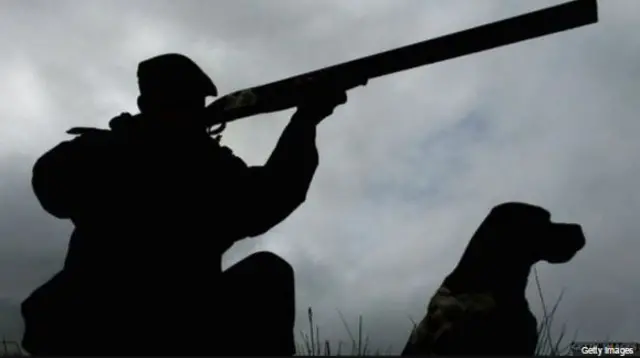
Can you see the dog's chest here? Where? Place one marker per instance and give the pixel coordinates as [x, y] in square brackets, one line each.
[469, 323]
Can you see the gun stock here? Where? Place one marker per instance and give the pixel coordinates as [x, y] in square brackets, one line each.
[280, 95]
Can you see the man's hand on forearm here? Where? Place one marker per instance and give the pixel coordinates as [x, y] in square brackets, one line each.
[318, 100]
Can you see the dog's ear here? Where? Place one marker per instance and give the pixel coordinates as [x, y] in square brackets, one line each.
[521, 213]
[515, 221]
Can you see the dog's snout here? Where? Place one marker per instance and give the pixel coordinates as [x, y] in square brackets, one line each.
[573, 234]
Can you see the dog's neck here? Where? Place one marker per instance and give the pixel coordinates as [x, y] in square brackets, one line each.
[490, 271]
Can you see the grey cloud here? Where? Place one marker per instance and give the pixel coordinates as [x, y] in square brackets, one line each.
[409, 167]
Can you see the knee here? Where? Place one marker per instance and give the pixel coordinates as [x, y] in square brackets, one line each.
[272, 270]
[272, 265]
[262, 269]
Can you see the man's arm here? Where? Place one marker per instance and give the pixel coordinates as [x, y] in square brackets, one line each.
[272, 192]
[62, 176]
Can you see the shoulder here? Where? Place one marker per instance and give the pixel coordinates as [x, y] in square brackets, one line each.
[121, 123]
[84, 141]
[83, 136]
[89, 134]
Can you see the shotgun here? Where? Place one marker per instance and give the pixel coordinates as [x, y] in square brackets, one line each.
[280, 95]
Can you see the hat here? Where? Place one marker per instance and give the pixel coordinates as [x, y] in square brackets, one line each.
[173, 74]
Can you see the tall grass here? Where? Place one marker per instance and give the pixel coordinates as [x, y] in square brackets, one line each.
[311, 344]
[548, 345]
[357, 345]
[11, 349]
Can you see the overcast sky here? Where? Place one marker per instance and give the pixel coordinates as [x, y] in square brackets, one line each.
[409, 167]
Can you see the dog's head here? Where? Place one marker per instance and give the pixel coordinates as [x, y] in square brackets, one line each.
[527, 232]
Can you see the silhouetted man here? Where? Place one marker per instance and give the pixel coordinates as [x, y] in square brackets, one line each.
[155, 202]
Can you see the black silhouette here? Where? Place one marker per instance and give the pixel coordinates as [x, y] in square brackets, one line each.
[156, 201]
[481, 308]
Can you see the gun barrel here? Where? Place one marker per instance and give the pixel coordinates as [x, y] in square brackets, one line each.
[280, 95]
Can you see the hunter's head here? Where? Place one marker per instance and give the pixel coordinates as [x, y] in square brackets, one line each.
[172, 86]
[527, 234]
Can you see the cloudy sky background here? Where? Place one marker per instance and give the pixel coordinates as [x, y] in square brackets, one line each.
[409, 167]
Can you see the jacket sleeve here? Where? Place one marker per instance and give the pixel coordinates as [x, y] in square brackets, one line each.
[62, 177]
[270, 193]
